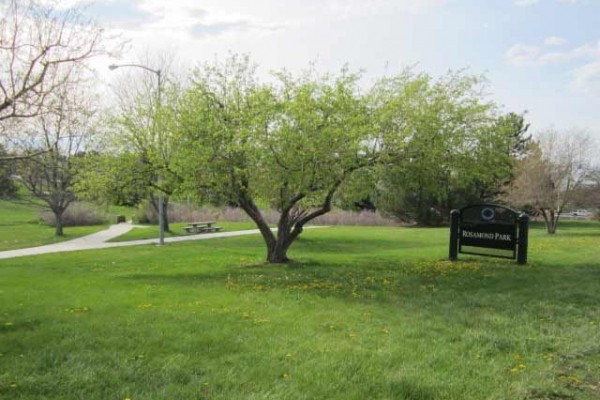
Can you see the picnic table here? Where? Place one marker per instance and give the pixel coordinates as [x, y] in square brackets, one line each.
[202, 227]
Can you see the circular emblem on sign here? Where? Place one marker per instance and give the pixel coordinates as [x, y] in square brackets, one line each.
[488, 214]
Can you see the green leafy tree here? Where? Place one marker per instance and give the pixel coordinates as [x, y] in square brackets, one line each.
[443, 145]
[7, 185]
[288, 146]
[143, 127]
[502, 145]
[120, 179]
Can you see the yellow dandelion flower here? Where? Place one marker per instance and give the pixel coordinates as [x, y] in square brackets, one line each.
[514, 369]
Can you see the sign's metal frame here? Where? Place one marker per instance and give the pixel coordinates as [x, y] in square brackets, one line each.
[516, 227]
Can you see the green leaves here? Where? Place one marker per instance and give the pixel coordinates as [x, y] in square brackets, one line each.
[442, 144]
[277, 142]
[292, 142]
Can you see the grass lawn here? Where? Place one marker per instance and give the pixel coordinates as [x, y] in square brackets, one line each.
[151, 231]
[20, 227]
[364, 313]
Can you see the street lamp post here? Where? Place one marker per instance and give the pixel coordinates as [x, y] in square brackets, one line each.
[157, 72]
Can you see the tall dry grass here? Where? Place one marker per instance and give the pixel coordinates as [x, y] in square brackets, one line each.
[77, 214]
[189, 213]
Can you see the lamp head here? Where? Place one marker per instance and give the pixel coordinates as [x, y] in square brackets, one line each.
[112, 67]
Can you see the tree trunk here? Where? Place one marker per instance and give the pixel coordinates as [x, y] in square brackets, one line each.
[154, 203]
[59, 224]
[551, 221]
[277, 255]
[277, 252]
[290, 225]
[254, 213]
[166, 214]
[555, 218]
[551, 227]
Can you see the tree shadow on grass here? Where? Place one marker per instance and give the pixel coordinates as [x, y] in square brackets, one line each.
[464, 283]
[405, 389]
[19, 326]
[564, 224]
[567, 226]
[568, 234]
[361, 245]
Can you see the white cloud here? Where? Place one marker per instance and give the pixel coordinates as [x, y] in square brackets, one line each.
[526, 3]
[587, 78]
[521, 55]
[231, 15]
[585, 51]
[555, 41]
[584, 78]
[195, 30]
[61, 5]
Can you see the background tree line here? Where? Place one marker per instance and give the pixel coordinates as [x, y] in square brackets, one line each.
[410, 146]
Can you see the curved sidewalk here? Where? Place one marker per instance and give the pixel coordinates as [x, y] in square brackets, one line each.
[98, 240]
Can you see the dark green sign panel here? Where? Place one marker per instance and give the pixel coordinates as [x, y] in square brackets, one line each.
[489, 230]
[493, 236]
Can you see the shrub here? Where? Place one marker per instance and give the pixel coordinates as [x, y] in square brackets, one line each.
[145, 214]
[77, 214]
[8, 189]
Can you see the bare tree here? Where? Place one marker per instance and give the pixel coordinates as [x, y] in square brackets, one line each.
[588, 195]
[65, 130]
[548, 177]
[40, 47]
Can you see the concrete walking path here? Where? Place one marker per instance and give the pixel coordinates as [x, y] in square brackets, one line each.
[98, 240]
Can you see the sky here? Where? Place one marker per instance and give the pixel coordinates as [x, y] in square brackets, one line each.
[539, 56]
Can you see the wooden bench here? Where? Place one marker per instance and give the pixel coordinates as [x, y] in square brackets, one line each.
[202, 227]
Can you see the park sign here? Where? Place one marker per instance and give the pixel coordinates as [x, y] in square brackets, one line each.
[489, 230]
